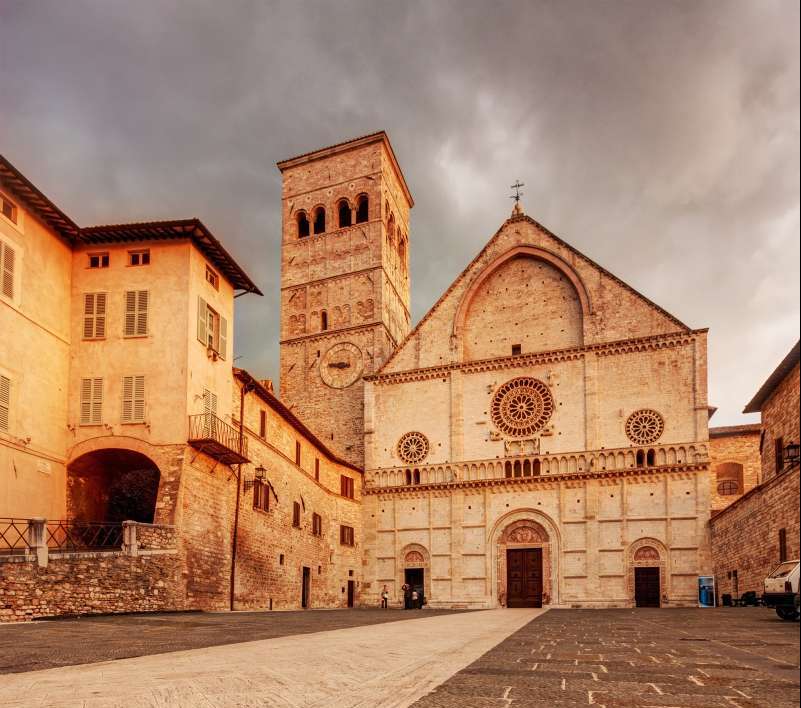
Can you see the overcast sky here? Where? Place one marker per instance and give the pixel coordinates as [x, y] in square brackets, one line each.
[659, 138]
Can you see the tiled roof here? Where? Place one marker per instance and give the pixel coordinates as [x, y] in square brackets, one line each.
[730, 430]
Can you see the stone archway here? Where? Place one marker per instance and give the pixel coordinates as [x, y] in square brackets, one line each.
[112, 484]
[647, 553]
[414, 556]
[525, 529]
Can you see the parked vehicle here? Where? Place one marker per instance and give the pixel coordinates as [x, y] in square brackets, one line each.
[781, 590]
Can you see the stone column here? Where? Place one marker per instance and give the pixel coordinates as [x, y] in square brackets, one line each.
[130, 545]
[37, 540]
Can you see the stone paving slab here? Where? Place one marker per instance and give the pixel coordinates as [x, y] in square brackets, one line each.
[385, 665]
[674, 658]
[28, 646]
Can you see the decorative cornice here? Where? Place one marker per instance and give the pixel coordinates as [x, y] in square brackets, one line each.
[537, 481]
[625, 346]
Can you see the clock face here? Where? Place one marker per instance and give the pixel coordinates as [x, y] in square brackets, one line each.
[341, 366]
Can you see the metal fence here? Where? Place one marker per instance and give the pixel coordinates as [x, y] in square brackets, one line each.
[14, 536]
[17, 535]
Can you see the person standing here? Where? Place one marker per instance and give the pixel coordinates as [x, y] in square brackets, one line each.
[407, 596]
[385, 598]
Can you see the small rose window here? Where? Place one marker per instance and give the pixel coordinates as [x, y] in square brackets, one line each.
[413, 447]
[644, 427]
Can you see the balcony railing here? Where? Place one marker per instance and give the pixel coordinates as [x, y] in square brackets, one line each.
[14, 537]
[528, 466]
[216, 438]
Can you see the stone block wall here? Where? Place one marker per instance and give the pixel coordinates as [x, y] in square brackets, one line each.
[745, 536]
[780, 419]
[736, 445]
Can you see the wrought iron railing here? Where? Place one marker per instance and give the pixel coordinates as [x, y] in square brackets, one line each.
[14, 536]
[74, 536]
[207, 428]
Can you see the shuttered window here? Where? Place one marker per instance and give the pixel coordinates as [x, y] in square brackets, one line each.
[94, 315]
[5, 402]
[91, 401]
[136, 307]
[133, 399]
[296, 514]
[212, 329]
[317, 524]
[346, 486]
[7, 263]
[346, 536]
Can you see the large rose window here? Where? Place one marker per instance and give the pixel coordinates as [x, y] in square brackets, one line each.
[522, 407]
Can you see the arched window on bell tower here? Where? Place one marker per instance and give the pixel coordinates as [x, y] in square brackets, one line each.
[303, 224]
[344, 213]
[362, 209]
[319, 220]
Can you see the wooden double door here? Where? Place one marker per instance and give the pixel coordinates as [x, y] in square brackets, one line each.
[647, 587]
[524, 577]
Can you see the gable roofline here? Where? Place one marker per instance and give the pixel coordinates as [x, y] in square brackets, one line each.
[193, 229]
[338, 148]
[277, 405]
[21, 187]
[536, 224]
[771, 384]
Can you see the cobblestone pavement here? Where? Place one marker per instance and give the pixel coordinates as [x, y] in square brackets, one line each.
[694, 658]
[41, 645]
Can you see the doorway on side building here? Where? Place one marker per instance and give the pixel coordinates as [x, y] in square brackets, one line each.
[524, 577]
[305, 587]
[646, 587]
[351, 592]
[415, 578]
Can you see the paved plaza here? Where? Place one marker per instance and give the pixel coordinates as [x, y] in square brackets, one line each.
[732, 658]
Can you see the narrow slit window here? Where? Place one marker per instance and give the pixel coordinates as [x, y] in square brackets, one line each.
[319, 221]
[303, 224]
[344, 214]
[362, 209]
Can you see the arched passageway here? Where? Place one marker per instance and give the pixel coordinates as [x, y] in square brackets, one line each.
[112, 485]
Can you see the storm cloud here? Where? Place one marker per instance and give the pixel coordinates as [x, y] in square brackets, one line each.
[659, 138]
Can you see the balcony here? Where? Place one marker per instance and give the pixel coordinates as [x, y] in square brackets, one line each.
[214, 437]
[529, 467]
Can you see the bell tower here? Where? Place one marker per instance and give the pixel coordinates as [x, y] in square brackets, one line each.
[344, 282]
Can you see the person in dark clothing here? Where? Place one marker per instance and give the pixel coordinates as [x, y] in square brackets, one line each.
[407, 596]
[385, 598]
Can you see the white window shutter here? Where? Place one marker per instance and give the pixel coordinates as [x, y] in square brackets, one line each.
[97, 401]
[100, 315]
[143, 300]
[127, 399]
[86, 401]
[88, 315]
[223, 337]
[5, 402]
[7, 260]
[130, 313]
[201, 320]
[139, 399]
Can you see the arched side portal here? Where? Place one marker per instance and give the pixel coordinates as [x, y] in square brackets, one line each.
[414, 557]
[112, 484]
[519, 530]
[650, 554]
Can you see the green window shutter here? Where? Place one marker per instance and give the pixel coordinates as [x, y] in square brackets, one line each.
[223, 337]
[202, 332]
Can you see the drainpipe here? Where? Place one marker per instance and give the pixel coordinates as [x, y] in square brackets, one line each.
[246, 387]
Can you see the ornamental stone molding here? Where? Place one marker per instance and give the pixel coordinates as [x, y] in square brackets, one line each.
[645, 426]
[648, 553]
[521, 407]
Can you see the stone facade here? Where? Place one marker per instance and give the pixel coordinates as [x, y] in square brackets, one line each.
[734, 463]
[761, 529]
[344, 285]
[558, 400]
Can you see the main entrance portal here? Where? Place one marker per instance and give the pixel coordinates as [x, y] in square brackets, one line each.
[524, 577]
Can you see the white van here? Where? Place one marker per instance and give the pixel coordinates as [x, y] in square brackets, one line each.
[781, 590]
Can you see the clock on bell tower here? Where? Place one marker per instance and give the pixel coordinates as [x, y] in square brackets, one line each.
[344, 282]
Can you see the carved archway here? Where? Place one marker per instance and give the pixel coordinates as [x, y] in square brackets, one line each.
[525, 528]
[648, 553]
[414, 555]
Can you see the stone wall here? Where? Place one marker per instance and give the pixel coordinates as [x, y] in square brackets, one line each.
[729, 447]
[780, 419]
[745, 536]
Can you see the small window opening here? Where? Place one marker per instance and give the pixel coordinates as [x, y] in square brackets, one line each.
[507, 468]
[779, 448]
[297, 453]
[517, 350]
[417, 476]
[296, 515]
[408, 477]
[362, 209]
[281, 559]
[640, 458]
[316, 469]
[303, 225]
[98, 260]
[9, 209]
[319, 221]
[139, 258]
[212, 278]
[782, 545]
[323, 321]
[537, 468]
[344, 214]
[651, 458]
[262, 424]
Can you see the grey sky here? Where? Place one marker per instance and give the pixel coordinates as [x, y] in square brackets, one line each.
[659, 138]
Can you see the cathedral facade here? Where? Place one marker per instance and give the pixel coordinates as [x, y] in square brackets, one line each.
[539, 438]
